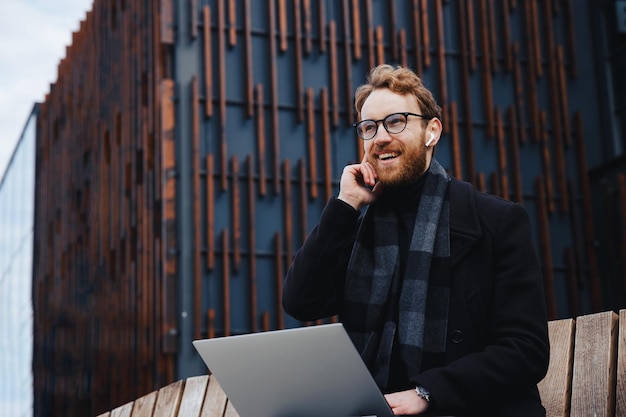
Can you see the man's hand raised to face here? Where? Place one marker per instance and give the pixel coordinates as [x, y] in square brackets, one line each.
[358, 185]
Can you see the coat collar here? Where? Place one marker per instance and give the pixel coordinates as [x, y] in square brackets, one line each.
[465, 228]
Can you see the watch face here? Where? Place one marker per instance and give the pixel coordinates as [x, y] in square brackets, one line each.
[423, 393]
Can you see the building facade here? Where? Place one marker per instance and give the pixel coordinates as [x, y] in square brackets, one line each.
[187, 148]
[17, 201]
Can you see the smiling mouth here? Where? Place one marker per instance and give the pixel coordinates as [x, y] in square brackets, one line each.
[387, 156]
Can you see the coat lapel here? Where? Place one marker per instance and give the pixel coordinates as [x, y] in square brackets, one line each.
[465, 227]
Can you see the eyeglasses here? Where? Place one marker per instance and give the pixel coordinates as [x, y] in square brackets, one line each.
[394, 123]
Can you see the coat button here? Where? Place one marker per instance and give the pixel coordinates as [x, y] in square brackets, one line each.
[456, 336]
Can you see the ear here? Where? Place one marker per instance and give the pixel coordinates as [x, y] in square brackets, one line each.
[433, 132]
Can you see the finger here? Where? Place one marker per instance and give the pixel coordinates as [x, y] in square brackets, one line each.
[369, 174]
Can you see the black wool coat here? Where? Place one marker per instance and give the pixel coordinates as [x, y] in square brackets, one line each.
[497, 348]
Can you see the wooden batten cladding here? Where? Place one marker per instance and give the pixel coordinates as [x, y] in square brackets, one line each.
[155, 175]
[104, 285]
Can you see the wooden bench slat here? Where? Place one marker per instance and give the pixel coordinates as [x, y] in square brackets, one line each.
[193, 396]
[586, 377]
[122, 410]
[215, 399]
[555, 388]
[593, 378]
[168, 400]
[144, 406]
[620, 387]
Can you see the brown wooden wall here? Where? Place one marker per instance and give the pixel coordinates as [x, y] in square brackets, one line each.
[208, 177]
[101, 292]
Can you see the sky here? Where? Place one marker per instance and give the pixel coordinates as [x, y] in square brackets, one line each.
[33, 38]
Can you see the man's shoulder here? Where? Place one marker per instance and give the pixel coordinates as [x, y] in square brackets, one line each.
[464, 193]
[468, 204]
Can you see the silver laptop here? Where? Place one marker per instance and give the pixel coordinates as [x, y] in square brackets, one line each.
[304, 372]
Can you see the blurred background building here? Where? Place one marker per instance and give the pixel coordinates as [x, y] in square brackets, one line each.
[188, 147]
[17, 202]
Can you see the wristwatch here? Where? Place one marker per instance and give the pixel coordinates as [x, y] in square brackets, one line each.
[423, 393]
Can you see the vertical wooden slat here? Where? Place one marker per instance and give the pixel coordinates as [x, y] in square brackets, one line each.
[311, 142]
[322, 25]
[282, 24]
[563, 96]
[232, 23]
[334, 78]
[570, 32]
[193, 396]
[168, 399]
[594, 372]
[516, 170]
[225, 283]
[471, 34]
[303, 200]
[221, 48]
[493, 34]
[457, 169]
[278, 262]
[236, 213]
[287, 212]
[298, 58]
[502, 157]
[441, 63]
[466, 101]
[555, 388]
[425, 33]
[534, 47]
[197, 200]
[356, 28]
[620, 384]
[249, 81]
[215, 399]
[486, 71]
[347, 58]
[506, 36]
[571, 280]
[545, 247]
[208, 64]
[210, 211]
[588, 218]
[326, 142]
[371, 45]
[193, 18]
[252, 245]
[274, 96]
[404, 59]
[417, 36]
[260, 131]
[547, 163]
[392, 25]
[308, 27]
[380, 45]
[519, 93]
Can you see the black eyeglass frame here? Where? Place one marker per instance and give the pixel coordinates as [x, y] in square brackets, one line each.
[406, 115]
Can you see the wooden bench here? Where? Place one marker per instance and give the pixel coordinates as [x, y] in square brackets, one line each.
[587, 372]
[586, 377]
[199, 396]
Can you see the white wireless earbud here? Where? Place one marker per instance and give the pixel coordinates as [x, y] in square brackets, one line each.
[432, 137]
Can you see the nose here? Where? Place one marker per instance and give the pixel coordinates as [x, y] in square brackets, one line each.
[382, 136]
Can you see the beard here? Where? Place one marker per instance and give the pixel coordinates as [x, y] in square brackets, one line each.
[412, 167]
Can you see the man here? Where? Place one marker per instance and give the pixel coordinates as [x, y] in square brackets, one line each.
[438, 285]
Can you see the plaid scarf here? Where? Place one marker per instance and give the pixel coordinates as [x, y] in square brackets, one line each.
[420, 311]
